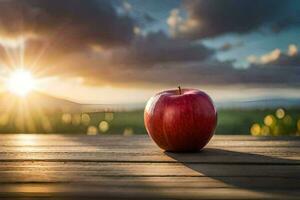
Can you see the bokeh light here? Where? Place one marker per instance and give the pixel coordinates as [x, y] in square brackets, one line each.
[92, 130]
[269, 120]
[66, 118]
[280, 113]
[282, 124]
[103, 126]
[255, 129]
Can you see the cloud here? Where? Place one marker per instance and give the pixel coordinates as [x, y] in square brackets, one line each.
[229, 46]
[158, 48]
[148, 18]
[79, 22]
[51, 30]
[292, 20]
[292, 50]
[157, 72]
[138, 62]
[80, 39]
[205, 73]
[127, 6]
[277, 58]
[266, 58]
[175, 21]
[213, 18]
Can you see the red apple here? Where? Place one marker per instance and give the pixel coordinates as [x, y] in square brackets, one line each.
[182, 120]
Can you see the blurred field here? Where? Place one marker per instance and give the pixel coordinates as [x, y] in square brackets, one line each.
[230, 121]
[233, 121]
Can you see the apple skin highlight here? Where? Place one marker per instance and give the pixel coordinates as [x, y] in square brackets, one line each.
[181, 120]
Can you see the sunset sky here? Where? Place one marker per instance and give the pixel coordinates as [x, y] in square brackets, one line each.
[93, 51]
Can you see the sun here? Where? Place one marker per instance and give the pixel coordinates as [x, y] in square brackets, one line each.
[20, 82]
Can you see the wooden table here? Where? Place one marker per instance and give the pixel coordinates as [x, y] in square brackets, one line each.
[117, 167]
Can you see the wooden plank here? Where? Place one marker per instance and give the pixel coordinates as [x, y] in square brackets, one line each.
[116, 167]
[138, 137]
[271, 151]
[216, 156]
[90, 191]
[166, 182]
[135, 141]
[146, 169]
[221, 155]
[141, 149]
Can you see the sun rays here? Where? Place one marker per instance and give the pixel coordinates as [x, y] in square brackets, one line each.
[21, 74]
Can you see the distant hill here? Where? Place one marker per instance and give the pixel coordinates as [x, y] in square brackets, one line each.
[239, 104]
[112, 107]
[260, 103]
[37, 101]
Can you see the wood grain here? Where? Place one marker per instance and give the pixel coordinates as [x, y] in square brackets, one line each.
[34, 166]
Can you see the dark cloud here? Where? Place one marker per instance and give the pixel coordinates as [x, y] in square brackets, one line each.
[139, 72]
[228, 46]
[78, 21]
[148, 18]
[290, 21]
[211, 72]
[285, 60]
[158, 48]
[144, 57]
[54, 29]
[209, 18]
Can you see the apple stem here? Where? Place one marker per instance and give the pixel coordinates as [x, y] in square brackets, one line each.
[179, 88]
